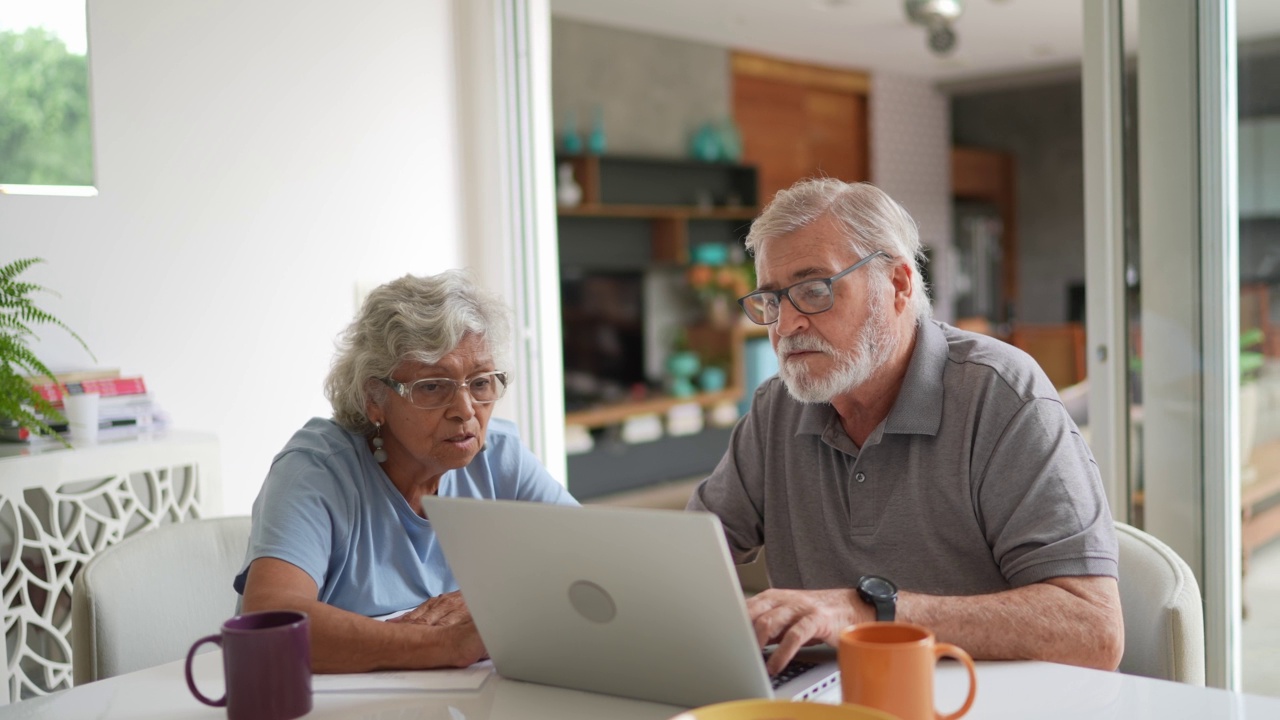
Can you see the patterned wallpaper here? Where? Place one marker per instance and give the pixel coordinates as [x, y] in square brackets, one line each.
[911, 160]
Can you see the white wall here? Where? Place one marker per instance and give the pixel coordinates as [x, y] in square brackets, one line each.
[256, 159]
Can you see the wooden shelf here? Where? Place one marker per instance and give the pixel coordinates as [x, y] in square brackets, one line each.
[671, 194]
[720, 344]
[606, 415]
[654, 212]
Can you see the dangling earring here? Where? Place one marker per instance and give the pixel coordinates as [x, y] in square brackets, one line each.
[378, 453]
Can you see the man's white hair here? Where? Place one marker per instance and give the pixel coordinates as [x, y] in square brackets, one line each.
[870, 219]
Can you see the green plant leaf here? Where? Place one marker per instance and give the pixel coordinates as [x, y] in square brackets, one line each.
[1252, 337]
[19, 315]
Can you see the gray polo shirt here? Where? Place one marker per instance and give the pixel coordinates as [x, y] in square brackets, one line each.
[976, 482]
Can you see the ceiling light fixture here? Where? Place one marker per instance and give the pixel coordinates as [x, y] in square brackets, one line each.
[936, 16]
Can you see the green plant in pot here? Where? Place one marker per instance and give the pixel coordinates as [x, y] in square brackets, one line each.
[19, 315]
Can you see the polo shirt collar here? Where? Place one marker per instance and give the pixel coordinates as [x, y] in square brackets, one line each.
[918, 409]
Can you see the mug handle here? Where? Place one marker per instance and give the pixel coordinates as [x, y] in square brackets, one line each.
[942, 650]
[191, 681]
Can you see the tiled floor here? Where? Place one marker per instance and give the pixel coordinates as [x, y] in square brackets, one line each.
[1261, 631]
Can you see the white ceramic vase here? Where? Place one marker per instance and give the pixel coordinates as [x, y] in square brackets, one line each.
[568, 191]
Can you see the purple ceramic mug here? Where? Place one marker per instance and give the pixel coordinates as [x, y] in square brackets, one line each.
[266, 658]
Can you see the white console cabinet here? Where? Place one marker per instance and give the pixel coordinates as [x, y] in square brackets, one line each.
[59, 506]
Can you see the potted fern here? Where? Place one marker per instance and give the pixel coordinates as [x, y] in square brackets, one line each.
[19, 401]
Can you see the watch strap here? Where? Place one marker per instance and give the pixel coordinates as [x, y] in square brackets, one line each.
[885, 609]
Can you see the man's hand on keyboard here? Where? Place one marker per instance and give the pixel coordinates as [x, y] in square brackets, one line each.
[795, 618]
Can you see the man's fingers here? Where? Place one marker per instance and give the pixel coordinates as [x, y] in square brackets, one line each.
[796, 636]
[761, 603]
[771, 624]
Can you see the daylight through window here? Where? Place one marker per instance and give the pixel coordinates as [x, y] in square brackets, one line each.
[45, 137]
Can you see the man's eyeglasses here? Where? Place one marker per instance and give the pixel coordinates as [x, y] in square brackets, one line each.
[808, 296]
[431, 393]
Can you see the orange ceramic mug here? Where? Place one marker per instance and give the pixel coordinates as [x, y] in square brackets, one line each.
[890, 665]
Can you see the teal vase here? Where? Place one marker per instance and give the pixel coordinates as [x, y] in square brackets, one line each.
[712, 379]
[570, 140]
[730, 141]
[682, 367]
[596, 140]
[705, 145]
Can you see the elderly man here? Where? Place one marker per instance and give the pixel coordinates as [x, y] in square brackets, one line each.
[899, 467]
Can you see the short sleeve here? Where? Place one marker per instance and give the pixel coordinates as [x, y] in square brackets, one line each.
[1041, 502]
[296, 517]
[733, 491]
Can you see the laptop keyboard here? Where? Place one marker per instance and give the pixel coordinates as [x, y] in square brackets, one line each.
[794, 669]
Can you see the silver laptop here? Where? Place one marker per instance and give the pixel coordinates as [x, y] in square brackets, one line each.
[638, 603]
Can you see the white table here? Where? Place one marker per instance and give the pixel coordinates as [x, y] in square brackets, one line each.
[1013, 690]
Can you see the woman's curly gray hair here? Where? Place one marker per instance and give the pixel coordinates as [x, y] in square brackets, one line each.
[870, 219]
[412, 318]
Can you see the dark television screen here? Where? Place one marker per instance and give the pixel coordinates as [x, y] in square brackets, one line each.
[603, 330]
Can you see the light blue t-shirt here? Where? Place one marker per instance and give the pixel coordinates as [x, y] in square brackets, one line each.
[328, 508]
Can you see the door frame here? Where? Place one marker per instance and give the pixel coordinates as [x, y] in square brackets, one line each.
[1190, 290]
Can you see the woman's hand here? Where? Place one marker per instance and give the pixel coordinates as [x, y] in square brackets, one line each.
[458, 636]
[465, 641]
[447, 609]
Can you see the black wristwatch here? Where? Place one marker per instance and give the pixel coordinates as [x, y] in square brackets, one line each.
[880, 594]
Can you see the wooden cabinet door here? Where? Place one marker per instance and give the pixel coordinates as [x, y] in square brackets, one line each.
[837, 129]
[800, 121]
[771, 117]
[991, 176]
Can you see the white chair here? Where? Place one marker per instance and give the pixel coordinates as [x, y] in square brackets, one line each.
[1163, 614]
[144, 601]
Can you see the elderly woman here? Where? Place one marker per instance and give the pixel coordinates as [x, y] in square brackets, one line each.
[338, 527]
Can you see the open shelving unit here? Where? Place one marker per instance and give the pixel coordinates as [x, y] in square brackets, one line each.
[670, 194]
[641, 222]
[707, 340]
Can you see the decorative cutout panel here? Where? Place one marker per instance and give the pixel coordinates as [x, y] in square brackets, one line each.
[49, 530]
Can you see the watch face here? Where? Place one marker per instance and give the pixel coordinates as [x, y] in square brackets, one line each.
[877, 586]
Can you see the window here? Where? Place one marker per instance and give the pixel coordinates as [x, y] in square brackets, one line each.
[45, 138]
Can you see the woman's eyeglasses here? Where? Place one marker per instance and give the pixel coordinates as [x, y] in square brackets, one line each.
[431, 393]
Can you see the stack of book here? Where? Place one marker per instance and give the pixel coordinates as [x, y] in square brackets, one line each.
[125, 406]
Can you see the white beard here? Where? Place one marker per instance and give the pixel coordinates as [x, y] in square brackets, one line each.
[875, 345]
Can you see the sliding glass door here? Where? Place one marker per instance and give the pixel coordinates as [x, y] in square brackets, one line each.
[1163, 285]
